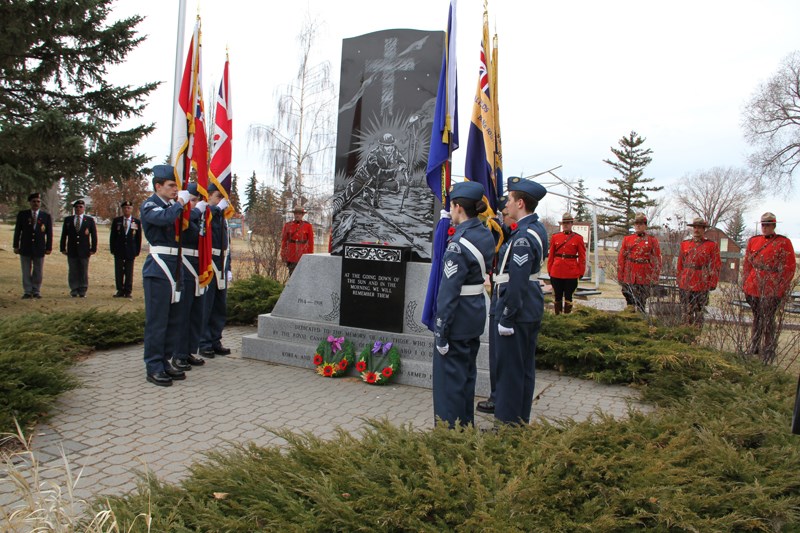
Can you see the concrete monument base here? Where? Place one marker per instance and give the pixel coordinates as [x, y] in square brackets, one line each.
[308, 311]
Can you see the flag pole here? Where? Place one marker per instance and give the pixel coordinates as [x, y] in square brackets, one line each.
[179, 59]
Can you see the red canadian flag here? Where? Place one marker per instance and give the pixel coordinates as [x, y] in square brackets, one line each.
[189, 140]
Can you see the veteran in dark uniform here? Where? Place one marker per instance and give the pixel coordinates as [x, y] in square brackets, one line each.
[566, 263]
[78, 243]
[520, 303]
[125, 243]
[215, 310]
[190, 307]
[161, 294]
[769, 269]
[461, 307]
[638, 264]
[698, 269]
[33, 239]
[487, 406]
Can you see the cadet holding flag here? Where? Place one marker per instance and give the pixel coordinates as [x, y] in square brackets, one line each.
[461, 306]
[158, 214]
[215, 300]
[520, 303]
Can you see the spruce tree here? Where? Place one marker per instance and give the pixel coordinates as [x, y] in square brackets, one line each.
[581, 207]
[628, 192]
[735, 228]
[251, 193]
[59, 116]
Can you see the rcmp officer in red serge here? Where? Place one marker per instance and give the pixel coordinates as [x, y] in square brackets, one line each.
[125, 243]
[461, 306]
[297, 239]
[769, 268]
[33, 239]
[190, 321]
[520, 303]
[566, 263]
[78, 243]
[158, 214]
[638, 264]
[215, 300]
[698, 272]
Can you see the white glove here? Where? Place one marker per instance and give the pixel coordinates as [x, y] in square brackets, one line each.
[184, 197]
[230, 276]
[201, 206]
[505, 332]
[443, 349]
[444, 214]
[223, 204]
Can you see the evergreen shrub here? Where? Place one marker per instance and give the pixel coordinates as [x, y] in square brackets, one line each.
[250, 297]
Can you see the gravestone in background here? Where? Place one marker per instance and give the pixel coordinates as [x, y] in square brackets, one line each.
[387, 98]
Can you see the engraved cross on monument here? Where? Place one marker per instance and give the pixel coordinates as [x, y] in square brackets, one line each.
[387, 66]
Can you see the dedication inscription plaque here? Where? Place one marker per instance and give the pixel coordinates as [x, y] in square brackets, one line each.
[373, 286]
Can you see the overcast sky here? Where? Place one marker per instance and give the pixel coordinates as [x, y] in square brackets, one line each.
[574, 76]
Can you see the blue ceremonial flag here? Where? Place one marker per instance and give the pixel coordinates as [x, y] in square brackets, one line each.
[483, 144]
[444, 140]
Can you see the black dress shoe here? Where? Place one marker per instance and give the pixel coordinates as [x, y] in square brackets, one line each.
[221, 350]
[37, 296]
[181, 364]
[208, 353]
[175, 374]
[118, 295]
[161, 379]
[26, 296]
[195, 361]
[486, 406]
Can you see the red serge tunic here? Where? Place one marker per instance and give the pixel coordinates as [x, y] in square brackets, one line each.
[639, 260]
[297, 239]
[769, 266]
[698, 265]
[567, 256]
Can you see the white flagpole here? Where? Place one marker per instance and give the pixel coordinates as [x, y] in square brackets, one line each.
[179, 59]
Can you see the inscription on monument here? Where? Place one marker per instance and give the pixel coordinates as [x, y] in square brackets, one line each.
[373, 286]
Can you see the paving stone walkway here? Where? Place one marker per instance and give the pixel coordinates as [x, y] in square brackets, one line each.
[116, 424]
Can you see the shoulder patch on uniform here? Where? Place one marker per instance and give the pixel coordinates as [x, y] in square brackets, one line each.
[454, 247]
[521, 243]
[520, 259]
[450, 268]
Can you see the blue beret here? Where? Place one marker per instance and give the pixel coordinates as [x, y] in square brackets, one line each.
[466, 189]
[192, 188]
[527, 186]
[501, 202]
[164, 172]
[211, 187]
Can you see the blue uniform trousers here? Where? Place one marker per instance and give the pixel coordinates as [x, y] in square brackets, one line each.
[215, 312]
[454, 377]
[516, 372]
[190, 323]
[492, 350]
[161, 323]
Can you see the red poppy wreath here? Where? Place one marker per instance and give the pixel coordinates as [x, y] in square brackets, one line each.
[378, 363]
[334, 357]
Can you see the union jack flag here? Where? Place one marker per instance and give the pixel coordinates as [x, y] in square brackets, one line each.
[220, 173]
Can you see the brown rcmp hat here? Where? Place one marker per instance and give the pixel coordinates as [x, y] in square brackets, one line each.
[698, 223]
[768, 218]
[567, 218]
[299, 209]
[640, 218]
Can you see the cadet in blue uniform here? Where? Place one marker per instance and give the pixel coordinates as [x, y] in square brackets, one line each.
[215, 309]
[461, 307]
[158, 214]
[487, 406]
[190, 307]
[520, 303]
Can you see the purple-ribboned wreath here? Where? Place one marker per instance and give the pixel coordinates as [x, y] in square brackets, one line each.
[334, 356]
[378, 363]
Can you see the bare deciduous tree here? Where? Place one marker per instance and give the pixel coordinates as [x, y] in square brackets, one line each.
[718, 193]
[771, 123]
[299, 145]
